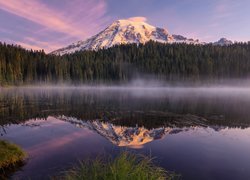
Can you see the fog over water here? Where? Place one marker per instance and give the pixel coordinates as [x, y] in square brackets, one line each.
[145, 88]
[201, 132]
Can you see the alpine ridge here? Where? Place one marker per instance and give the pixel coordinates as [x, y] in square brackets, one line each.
[224, 42]
[125, 32]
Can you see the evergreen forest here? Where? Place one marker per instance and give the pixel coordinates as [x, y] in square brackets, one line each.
[168, 62]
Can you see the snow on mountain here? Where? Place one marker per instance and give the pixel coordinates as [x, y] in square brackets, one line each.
[125, 32]
[182, 39]
[223, 42]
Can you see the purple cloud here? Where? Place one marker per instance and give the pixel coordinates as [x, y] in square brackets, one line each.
[76, 19]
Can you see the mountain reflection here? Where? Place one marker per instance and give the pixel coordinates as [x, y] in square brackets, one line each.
[122, 135]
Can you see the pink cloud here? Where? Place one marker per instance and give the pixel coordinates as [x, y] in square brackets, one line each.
[35, 44]
[28, 46]
[38, 13]
[77, 19]
[138, 19]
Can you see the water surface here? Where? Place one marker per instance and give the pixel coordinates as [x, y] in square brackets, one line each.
[201, 133]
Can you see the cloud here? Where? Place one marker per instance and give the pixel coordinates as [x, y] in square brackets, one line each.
[138, 19]
[72, 19]
[28, 46]
[35, 44]
[38, 13]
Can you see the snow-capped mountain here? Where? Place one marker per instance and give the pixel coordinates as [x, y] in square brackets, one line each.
[125, 32]
[223, 42]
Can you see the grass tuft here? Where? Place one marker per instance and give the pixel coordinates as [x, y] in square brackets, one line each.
[10, 154]
[125, 167]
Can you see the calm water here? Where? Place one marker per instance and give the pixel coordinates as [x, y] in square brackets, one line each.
[200, 133]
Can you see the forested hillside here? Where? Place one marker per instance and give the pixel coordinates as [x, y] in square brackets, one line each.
[176, 62]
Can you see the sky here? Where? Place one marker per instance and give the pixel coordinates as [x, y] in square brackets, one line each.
[52, 24]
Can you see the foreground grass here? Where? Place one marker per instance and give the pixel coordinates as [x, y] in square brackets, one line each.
[125, 167]
[10, 155]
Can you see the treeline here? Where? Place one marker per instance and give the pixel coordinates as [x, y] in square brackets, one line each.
[171, 62]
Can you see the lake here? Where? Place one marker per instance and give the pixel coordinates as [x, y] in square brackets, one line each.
[200, 133]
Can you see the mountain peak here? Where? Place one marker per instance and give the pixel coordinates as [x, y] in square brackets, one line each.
[224, 42]
[133, 21]
[125, 31]
[126, 23]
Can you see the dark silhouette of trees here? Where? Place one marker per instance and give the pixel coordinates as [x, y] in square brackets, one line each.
[170, 62]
